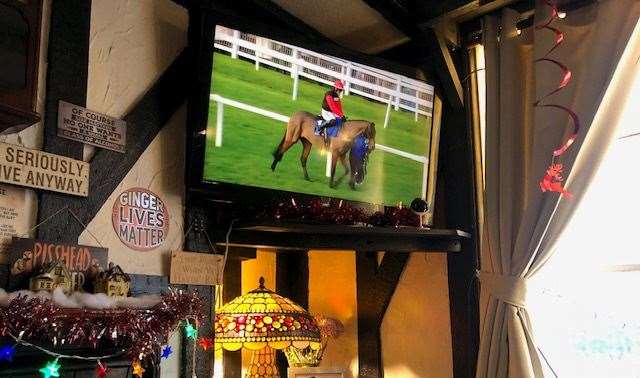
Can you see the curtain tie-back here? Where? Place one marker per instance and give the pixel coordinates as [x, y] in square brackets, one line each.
[509, 289]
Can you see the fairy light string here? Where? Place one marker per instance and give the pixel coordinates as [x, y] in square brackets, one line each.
[144, 331]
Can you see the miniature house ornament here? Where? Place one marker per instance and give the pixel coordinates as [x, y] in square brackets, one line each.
[53, 275]
[113, 282]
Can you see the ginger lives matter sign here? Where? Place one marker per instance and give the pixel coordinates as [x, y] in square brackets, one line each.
[140, 218]
[42, 170]
[86, 126]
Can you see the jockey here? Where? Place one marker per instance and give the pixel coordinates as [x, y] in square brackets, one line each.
[332, 108]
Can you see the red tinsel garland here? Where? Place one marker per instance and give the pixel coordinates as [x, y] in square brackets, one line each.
[337, 212]
[137, 331]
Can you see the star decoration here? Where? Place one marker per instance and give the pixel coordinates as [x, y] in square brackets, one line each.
[190, 331]
[166, 351]
[51, 369]
[137, 369]
[6, 353]
[205, 343]
[101, 370]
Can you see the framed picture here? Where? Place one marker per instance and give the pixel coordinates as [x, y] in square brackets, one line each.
[316, 372]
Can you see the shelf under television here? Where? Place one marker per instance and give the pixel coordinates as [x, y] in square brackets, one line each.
[292, 236]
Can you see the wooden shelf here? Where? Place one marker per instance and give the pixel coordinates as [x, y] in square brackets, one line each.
[340, 237]
[13, 120]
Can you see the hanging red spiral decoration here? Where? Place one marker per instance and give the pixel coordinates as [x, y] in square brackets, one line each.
[552, 180]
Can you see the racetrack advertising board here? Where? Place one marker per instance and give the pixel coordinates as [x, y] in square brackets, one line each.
[86, 126]
[42, 170]
[140, 219]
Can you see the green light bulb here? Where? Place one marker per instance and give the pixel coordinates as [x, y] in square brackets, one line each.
[191, 331]
[51, 369]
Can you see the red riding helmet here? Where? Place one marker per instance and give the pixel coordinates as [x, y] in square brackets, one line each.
[338, 84]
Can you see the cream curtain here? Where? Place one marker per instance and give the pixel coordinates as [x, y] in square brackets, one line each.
[522, 224]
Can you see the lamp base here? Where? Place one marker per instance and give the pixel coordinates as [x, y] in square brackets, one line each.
[263, 364]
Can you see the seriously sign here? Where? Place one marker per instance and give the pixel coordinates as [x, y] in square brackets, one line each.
[140, 219]
[42, 170]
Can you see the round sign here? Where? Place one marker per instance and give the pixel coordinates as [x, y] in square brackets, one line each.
[140, 219]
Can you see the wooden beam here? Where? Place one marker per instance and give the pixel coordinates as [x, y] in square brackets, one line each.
[285, 18]
[437, 57]
[67, 72]
[456, 206]
[232, 288]
[292, 281]
[467, 12]
[339, 237]
[442, 63]
[401, 18]
[194, 358]
[375, 287]
[108, 168]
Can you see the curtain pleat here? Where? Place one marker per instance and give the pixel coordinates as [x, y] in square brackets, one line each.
[522, 224]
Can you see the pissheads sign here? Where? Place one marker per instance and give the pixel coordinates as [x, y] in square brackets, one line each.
[42, 170]
[28, 256]
[141, 219]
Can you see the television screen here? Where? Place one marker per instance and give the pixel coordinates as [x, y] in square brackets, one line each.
[288, 118]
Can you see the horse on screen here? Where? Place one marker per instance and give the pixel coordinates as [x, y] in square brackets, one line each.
[356, 137]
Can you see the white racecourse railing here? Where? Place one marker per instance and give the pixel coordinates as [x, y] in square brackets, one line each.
[397, 91]
[222, 101]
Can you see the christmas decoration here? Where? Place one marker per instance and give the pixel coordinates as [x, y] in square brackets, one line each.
[166, 352]
[51, 369]
[7, 352]
[53, 275]
[336, 212]
[190, 331]
[205, 343]
[114, 282]
[138, 333]
[552, 181]
[101, 370]
[137, 369]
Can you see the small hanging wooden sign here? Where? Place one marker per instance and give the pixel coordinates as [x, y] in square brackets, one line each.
[86, 126]
[190, 268]
[42, 170]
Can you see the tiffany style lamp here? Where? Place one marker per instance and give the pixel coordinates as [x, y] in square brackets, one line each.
[263, 321]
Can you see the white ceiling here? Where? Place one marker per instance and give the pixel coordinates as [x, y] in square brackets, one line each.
[350, 23]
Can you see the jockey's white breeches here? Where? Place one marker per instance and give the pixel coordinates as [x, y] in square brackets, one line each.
[327, 115]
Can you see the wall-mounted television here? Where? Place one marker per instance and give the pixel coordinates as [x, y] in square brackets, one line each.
[269, 101]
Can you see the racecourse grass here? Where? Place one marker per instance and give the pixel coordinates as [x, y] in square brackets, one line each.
[250, 139]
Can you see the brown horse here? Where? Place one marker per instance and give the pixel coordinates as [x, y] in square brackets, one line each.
[301, 128]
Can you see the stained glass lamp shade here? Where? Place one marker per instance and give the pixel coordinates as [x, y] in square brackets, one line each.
[262, 319]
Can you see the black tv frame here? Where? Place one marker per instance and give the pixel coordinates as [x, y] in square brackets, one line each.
[201, 44]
